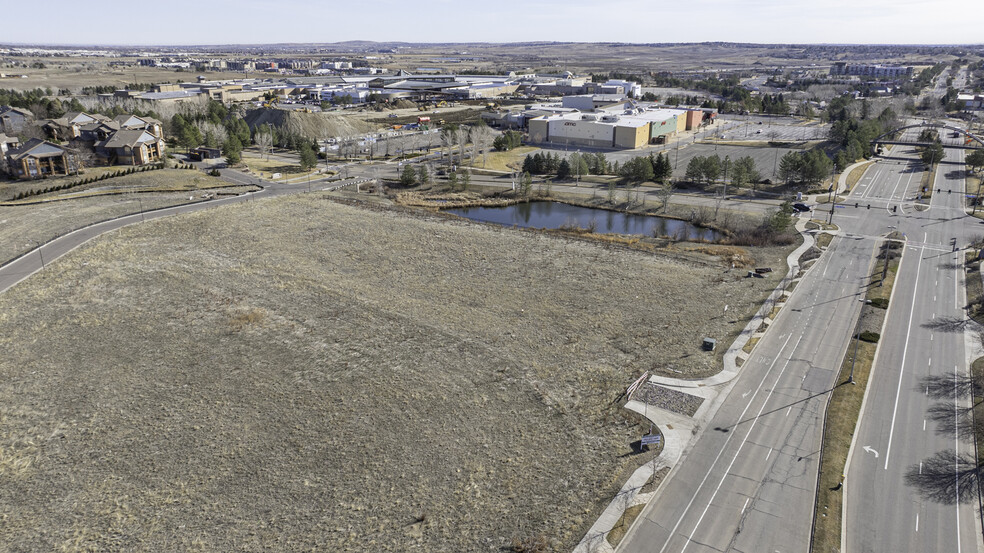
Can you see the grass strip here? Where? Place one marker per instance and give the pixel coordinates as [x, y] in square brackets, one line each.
[842, 419]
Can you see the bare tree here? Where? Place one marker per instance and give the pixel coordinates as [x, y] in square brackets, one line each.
[463, 133]
[449, 137]
[481, 136]
[665, 192]
[264, 141]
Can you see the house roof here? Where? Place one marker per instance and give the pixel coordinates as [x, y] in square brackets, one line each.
[134, 121]
[4, 139]
[36, 148]
[20, 111]
[130, 138]
[108, 126]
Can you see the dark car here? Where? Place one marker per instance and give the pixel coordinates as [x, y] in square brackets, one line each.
[801, 207]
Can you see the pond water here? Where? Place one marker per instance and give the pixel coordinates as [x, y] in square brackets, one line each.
[555, 215]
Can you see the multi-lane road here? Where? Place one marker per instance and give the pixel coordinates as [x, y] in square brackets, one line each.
[896, 433]
[748, 482]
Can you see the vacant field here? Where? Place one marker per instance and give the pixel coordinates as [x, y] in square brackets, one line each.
[298, 374]
[511, 160]
[24, 226]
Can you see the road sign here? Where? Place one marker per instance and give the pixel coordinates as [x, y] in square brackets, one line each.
[657, 439]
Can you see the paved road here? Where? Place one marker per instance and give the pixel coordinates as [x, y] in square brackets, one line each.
[749, 481]
[883, 512]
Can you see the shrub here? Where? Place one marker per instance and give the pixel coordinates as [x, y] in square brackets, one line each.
[868, 336]
[881, 303]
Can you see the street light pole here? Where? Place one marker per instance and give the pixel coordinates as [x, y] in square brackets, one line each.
[39, 253]
[830, 200]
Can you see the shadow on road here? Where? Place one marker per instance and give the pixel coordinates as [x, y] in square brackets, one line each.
[798, 309]
[727, 429]
[947, 324]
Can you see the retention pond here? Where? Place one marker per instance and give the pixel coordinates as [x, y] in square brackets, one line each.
[554, 215]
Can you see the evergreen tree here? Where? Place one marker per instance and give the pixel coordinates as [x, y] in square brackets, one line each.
[408, 177]
[564, 170]
[308, 158]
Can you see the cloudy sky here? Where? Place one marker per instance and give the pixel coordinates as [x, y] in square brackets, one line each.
[187, 22]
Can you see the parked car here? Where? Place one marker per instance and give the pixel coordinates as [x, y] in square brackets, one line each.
[801, 207]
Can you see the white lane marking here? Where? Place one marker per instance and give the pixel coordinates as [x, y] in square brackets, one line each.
[917, 522]
[769, 454]
[930, 362]
[905, 350]
[956, 292]
[751, 427]
[956, 449]
[924, 429]
[721, 452]
[747, 499]
[788, 410]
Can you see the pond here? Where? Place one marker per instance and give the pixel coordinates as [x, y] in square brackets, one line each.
[554, 215]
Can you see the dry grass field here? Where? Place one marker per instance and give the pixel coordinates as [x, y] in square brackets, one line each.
[23, 226]
[303, 375]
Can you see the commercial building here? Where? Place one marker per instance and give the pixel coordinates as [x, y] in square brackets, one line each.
[970, 102]
[622, 126]
[870, 70]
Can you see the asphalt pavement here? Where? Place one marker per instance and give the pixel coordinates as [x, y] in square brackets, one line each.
[748, 482]
[897, 433]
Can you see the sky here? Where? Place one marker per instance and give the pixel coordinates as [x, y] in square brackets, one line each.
[216, 22]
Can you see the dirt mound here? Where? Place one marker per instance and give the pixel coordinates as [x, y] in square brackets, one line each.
[404, 104]
[310, 125]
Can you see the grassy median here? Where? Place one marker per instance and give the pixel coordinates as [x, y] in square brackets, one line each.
[855, 175]
[845, 406]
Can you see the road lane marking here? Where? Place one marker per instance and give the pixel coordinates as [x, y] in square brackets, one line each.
[930, 362]
[917, 522]
[905, 350]
[721, 452]
[956, 450]
[788, 410]
[769, 454]
[747, 499]
[924, 429]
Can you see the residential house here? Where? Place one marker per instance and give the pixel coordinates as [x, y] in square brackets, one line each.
[39, 158]
[130, 147]
[13, 120]
[7, 143]
[123, 140]
[70, 126]
[149, 124]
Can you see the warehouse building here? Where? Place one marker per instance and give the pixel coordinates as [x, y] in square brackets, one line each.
[623, 128]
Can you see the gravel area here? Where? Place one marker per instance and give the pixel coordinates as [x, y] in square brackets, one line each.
[297, 374]
[666, 398]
